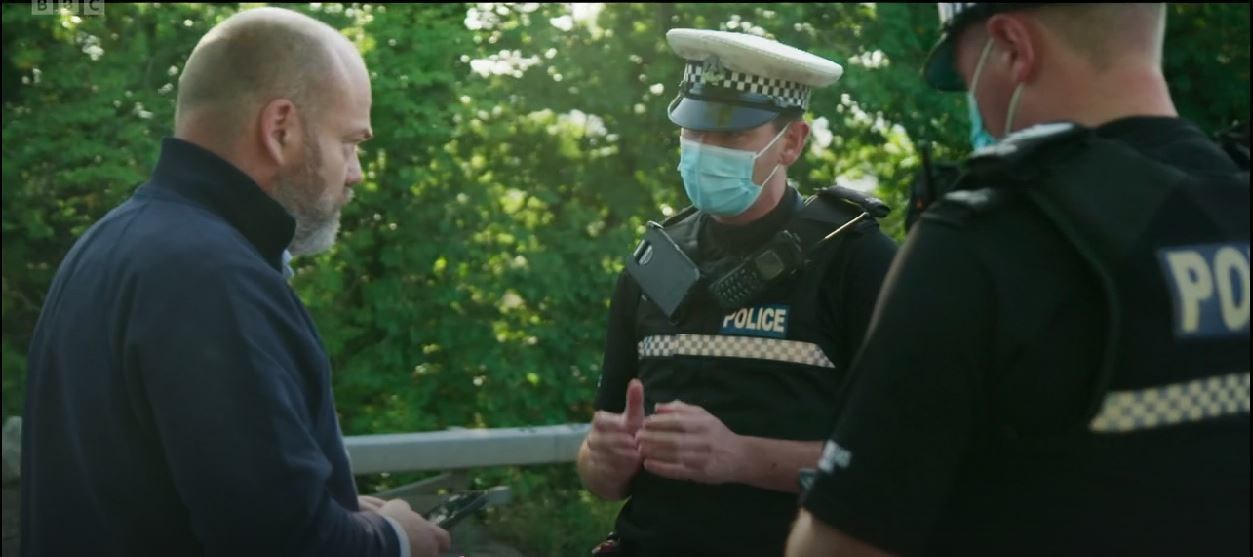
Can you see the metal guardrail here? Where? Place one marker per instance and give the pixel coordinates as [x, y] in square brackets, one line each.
[449, 450]
[452, 452]
[457, 449]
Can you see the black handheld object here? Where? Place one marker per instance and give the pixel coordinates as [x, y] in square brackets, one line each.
[934, 179]
[665, 274]
[457, 508]
[779, 258]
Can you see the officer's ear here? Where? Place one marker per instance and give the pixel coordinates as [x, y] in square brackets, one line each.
[1018, 39]
[279, 130]
[794, 142]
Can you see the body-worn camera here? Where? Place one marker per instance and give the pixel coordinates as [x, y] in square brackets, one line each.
[666, 275]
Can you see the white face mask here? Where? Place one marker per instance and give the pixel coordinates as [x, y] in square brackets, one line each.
[719, 180]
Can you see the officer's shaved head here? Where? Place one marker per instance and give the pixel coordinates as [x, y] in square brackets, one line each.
[1107, 33]
[256, 56]
[1089, 64]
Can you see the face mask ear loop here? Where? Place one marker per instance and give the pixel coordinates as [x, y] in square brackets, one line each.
[767, 148]
[769, 176]
[1013, 107]
[771, 144]
[983, 58]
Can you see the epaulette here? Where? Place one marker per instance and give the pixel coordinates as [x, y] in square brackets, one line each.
[684, 227]
[990, 172]
[1009, 157]
[686, 212]
[958, 207]
[864, 203]
[832, 208]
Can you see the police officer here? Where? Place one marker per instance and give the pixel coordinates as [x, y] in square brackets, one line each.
[708, 409]
[1060, 360]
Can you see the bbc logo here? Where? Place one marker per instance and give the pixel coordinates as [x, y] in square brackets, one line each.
[72, 7]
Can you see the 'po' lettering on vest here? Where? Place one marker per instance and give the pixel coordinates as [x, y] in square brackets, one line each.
[1209, 285]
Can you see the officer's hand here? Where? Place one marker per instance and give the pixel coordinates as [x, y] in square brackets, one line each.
[425, 539]
[685, 442]
[611, 442]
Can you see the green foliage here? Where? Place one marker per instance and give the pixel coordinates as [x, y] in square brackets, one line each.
[85, 105]
[550, 513]
[470, 283]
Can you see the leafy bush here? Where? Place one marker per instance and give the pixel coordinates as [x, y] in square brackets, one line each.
[519, 150]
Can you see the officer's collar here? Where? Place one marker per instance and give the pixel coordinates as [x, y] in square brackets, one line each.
[746, 237]
[1169, 138]
[206, 179]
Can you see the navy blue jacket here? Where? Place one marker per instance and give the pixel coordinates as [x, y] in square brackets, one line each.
[178, 399]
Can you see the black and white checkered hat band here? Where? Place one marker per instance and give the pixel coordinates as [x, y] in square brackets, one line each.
[783, 93]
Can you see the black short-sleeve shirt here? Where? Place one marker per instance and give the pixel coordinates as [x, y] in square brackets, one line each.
[920, 463]
[677, 517]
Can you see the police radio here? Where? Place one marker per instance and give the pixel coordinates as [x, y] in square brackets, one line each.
[669, 278]
[778, 259]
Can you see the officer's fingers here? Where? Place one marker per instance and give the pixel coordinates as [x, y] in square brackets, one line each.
[670, 470]
[622, 442]
[614, 456]
[617, 458]
[626, 459]
[664, 446]
[654, 437]
[634, 413]
[599, 441]
[611, 441]
[606, 421]
[678, 407]
[667, 422]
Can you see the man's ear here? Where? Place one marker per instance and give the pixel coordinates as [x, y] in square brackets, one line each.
[1018, 40]
[794, 142]
[279, 128]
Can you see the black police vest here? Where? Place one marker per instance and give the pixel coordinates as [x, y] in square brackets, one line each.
[768, 369]
[1171, 252]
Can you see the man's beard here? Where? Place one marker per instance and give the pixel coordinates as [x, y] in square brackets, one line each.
[311, 201]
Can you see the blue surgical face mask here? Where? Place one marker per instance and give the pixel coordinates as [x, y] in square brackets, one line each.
[719, 180]
[979, 136]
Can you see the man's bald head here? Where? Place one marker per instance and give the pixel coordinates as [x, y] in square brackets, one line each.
[257, 56]
[286, 100]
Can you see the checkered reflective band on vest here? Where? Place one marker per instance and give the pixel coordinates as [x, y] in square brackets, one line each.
[723, 346]
[1179, 403]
